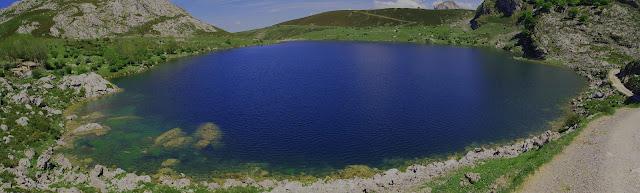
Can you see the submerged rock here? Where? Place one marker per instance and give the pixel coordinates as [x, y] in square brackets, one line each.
[170, 162]
[91, 129]
[206, 135]
[173, 138]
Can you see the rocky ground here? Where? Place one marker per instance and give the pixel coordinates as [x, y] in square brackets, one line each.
[96, 19]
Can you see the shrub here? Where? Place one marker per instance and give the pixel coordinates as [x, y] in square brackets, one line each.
[570, 121]
[574, 12]
[583, 18]
[528, 20]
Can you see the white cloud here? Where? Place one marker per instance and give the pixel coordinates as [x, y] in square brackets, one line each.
[398, 4]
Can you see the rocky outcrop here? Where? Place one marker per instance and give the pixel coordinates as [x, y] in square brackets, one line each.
[446, 5]
[609, 37]
[508, 7]
[96, 19]
[529, 46]
[504, 8]
[92, 84]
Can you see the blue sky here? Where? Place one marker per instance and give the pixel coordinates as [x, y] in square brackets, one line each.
[240, 15]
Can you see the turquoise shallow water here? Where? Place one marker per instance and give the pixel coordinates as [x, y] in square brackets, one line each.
[311, 107]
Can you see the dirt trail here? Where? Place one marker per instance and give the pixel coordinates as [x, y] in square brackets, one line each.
[605, 157]
[615, 81]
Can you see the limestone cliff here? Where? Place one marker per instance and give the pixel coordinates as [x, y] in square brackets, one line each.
[88, 19]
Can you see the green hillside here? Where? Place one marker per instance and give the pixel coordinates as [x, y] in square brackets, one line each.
[382, 17]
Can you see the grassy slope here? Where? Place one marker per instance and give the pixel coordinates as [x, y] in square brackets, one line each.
[382, 17]
[397, 25]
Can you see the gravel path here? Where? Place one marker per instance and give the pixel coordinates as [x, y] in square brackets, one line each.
[605, 157]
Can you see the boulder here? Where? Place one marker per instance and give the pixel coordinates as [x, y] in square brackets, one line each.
[92, 84]
[175, 183]
[170, 162]
[91, 129]
[22, 121]
[472, 177]
[44, 161]
[62, 162]
[206, 135]
[22, 72]
[129, 182]
[172, 139]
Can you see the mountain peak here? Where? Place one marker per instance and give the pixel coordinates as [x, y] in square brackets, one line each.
[88, 19]
[446, 5]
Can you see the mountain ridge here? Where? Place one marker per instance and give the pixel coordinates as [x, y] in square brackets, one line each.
[90, 19]
[380, 17]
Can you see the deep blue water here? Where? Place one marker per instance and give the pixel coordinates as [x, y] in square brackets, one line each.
[310, 106]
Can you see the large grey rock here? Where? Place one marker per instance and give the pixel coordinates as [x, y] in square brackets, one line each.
[22, 121]
[175, 183]
[92, 84]
[472, 177]
[130, 182]
[44, 161]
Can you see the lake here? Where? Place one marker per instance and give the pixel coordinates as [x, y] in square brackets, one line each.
[311, 107]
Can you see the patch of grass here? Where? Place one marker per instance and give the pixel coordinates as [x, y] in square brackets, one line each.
[505, 175]
[606, 106]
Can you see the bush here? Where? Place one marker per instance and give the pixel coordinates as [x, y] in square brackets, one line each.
[528, 20]
[570, 121]
[583, 18]
[574, 12]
